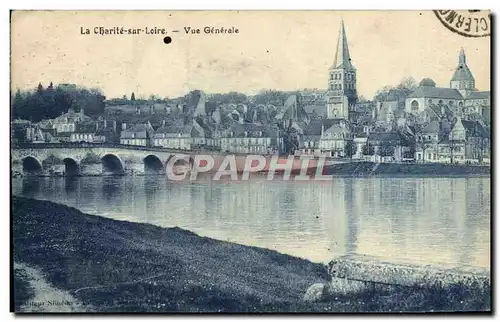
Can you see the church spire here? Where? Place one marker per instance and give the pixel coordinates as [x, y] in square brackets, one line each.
[462, 79]
[461, 58]
[342, 57]
[462, 72]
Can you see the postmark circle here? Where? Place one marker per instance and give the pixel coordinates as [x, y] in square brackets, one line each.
[467, 23]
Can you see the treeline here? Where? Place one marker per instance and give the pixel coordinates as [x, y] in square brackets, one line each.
[50, 102]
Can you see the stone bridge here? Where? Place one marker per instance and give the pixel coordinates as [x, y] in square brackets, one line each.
[92, 159]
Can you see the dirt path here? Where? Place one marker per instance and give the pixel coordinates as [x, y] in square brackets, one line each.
[47, 298]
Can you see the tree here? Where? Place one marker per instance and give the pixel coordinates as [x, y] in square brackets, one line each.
[39, 88]
[50, 103]
[396, 93]
[427, 82]
[227, 98]
[350, 149]
[132, 97]
[270, 96]
[368, 149]
[17, 101]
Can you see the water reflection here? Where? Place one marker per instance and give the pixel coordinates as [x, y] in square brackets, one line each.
[425, 220]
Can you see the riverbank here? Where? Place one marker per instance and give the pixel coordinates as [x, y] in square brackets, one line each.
[117, 266]
[366, 168]
[345, 169]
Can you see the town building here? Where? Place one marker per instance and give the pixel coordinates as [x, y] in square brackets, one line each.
[181, 137]
[388, 146]
[427, 141]
[252, 138]
[139, 134]
[462, 141]
[468, 141]
[67, 122]
[83, 133]
[334, 141]
[34, 134]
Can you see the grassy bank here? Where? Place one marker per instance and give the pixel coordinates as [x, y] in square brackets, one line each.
[119, 266]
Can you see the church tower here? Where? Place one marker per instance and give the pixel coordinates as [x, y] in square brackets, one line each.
[462, 79]
[341, 94]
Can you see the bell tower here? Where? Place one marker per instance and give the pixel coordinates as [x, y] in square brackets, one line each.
[341, 94]
[462, 79]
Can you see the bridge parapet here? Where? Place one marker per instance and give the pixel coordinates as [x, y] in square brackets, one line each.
[88, 157]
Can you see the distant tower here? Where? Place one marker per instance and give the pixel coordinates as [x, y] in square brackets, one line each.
[462, 78]
[341, 92]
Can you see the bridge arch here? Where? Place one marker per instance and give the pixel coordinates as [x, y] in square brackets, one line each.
[112, 164]
[153, 164]
[32, 166]
[71, 167]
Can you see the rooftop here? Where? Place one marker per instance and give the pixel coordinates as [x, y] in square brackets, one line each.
[436, 92]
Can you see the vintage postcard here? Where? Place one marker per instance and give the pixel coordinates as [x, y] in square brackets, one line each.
[251, 161]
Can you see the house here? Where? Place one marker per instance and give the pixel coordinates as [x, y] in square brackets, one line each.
[427, 140]
[360, 140]
[34, 134]
[309, 135]
[362, 113]
[104, 135]
[478, 102]
[67, 122]
[83, 133]
[252, 138]
[309, 139]
[139, 134]
[467, 141]
[335, 140]
[390, 146]
[174, 137]
[181, 137]
[385, 112]
[63, 137]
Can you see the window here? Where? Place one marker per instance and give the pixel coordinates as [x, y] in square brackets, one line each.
[440, 102]
[450, 103]
[414, 106]
[429, 101]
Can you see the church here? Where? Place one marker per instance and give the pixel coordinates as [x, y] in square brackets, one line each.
[462, 98]
[341, 94]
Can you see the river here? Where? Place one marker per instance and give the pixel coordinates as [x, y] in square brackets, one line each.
[418, 220]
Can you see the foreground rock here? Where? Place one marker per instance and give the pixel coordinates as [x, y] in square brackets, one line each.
[353, 273]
